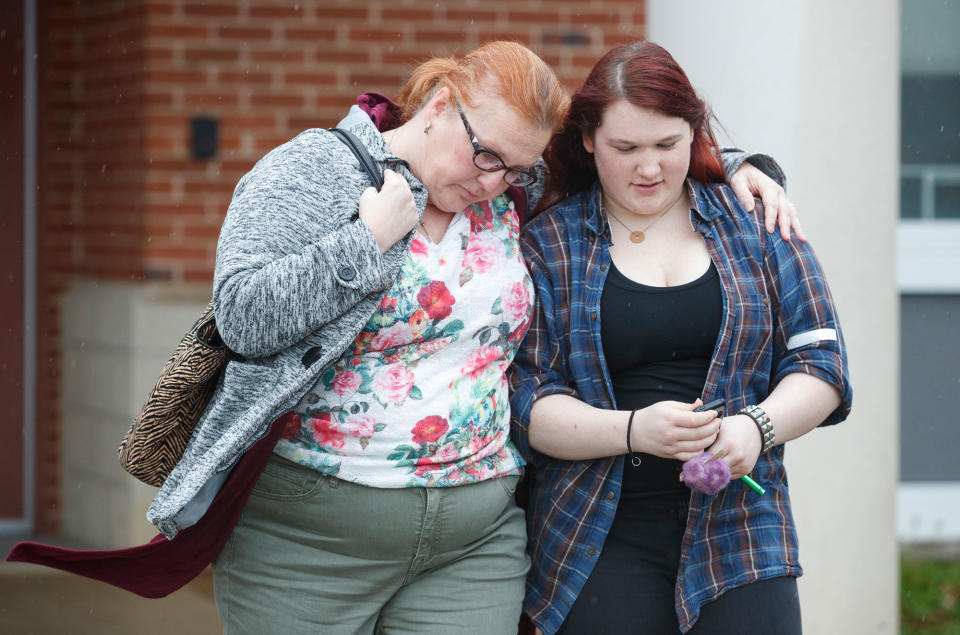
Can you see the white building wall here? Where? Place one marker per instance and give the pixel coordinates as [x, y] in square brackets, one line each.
[816, 85]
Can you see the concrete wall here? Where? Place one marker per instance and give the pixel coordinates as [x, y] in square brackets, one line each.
[816, 84]
[116, 339]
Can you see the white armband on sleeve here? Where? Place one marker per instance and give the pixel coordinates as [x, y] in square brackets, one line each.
[809, 337]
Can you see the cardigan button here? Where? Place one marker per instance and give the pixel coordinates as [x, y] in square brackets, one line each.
[346, 272]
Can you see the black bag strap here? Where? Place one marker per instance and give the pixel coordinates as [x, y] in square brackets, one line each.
[360, 151]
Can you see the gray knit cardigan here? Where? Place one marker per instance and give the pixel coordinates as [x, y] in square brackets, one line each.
[297, 277]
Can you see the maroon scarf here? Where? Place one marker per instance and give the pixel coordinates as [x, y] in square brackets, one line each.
[162, 566]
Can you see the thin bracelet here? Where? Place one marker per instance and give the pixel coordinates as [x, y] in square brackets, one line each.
[634, 459]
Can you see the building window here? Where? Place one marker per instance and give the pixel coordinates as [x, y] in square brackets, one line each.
[929, 270]
[930, 110]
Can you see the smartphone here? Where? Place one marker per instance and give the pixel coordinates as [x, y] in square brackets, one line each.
[717, 404]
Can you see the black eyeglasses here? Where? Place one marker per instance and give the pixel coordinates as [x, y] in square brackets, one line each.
[489, 161]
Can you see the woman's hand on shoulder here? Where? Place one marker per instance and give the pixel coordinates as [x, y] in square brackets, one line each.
[738, 444]
[391, 213]
[671, 430]
[749, 181]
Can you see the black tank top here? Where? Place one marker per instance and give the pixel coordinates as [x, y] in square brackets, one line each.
[658, 342]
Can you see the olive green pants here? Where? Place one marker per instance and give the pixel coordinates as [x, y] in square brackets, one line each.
[315, 554]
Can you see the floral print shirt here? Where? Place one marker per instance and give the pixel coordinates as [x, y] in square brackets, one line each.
[420, 398]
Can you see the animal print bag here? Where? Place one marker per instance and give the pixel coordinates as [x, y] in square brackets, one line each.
[159, 434]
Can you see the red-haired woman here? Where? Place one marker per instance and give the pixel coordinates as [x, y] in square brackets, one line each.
[656, 289]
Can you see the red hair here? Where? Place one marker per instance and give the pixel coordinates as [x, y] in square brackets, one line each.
[507, 70]
[645, 75]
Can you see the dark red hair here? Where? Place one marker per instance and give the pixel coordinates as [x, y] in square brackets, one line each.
[645, 75]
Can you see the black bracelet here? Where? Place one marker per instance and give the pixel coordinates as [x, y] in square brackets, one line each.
[634, 459]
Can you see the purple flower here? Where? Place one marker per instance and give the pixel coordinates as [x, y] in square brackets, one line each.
[704, 476]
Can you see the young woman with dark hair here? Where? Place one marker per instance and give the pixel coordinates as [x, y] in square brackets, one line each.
[657, 291]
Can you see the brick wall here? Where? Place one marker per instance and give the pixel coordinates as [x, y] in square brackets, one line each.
[121, 197]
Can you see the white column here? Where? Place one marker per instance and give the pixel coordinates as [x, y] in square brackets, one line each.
[816, 84]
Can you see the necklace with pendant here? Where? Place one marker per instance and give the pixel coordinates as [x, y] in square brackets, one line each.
[426, 233]
[423, 227]
[636, 235]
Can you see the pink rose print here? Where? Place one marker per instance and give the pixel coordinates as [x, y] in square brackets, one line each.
[481, 255]
[430, 347]
[418, 247]
[347, 382]
[361, 426]
[445, 454]
[515, 303]
[293, 426]
[482, 447]
[476, 444]
[429, 429]
[396, 334]
[479, 359]
[392, 384]
[327, 433]
[436, 300]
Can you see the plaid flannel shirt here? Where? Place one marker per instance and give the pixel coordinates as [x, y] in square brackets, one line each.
[778, 318]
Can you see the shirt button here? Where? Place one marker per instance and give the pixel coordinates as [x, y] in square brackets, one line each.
[766, 301]
[593, 316]
[603, 267]
[592, 551]
[610, 495]
[346, 272]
